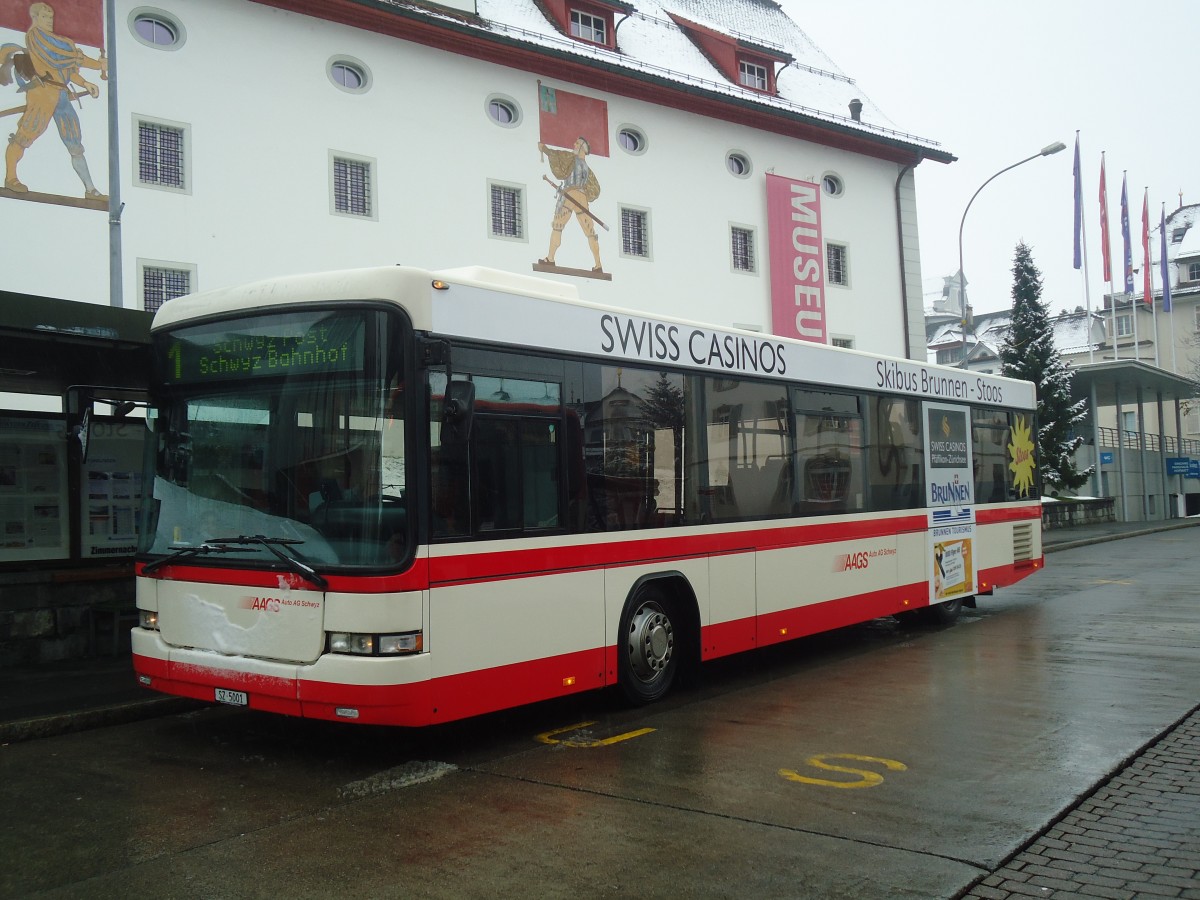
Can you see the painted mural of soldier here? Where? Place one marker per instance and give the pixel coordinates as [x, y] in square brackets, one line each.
[47, 70]
[577, 190]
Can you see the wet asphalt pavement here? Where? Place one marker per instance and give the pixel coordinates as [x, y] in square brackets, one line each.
[1048, 745]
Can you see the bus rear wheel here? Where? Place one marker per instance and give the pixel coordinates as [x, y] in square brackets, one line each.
[945, 613]
[648, 653]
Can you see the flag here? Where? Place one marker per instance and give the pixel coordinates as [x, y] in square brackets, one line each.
[1147, 279]
[1125, 239]
[1166, 271]
[80, 20]
[1078, 207]
[565, 117]
[1104, 242]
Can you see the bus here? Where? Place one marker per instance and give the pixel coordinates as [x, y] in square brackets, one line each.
[405, 497]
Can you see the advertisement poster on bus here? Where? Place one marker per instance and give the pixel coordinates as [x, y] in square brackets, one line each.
[950, 496]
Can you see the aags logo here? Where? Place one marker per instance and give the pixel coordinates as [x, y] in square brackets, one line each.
[265, 604]
[850, 561]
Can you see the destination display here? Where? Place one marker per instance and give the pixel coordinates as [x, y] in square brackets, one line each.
[264, 347]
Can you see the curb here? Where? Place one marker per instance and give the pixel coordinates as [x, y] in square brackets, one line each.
[1116, 536]
[82, 720]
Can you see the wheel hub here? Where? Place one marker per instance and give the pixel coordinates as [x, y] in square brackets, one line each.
[651, 641]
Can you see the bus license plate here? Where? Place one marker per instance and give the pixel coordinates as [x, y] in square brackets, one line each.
[233, 698]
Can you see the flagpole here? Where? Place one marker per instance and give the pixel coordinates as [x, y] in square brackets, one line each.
[1081, 246]
[1106, 255]
[1148, 272]
[115, 206]
[1165, 270]
[1087, 291]
[1126, 264]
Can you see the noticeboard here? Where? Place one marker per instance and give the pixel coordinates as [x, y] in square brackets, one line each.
[111, 481]
[34, 506]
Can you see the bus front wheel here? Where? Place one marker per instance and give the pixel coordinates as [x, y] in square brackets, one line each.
[648, 652]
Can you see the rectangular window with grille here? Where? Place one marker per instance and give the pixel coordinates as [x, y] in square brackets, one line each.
[742, 249]
[837, 265]
[352, 186]
[160, 284]
[635, 233]
[161, 159]
[506, 211]
[844, 342]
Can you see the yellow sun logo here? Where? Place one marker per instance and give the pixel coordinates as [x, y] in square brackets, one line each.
[1021, 453]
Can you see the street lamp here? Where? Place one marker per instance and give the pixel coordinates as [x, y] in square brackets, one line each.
[1048, 150]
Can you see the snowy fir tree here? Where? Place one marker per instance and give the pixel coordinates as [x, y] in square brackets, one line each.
[1028, 353]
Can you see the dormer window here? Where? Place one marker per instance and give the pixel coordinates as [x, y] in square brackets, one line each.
[745, 61]
[752, 75]
[589, 27]
[587, 21]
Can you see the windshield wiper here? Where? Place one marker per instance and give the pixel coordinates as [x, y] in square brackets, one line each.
[183, 552]
[273, 543]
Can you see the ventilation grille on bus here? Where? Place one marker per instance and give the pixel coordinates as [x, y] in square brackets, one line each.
[1023, 543]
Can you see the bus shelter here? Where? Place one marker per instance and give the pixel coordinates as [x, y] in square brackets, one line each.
[68, 521]
[1134, 437]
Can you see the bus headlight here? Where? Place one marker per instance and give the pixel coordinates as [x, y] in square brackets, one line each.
[375, 644]
[412, 642]
[148, 619]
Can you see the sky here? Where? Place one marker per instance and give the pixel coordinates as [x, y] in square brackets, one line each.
[994, 83]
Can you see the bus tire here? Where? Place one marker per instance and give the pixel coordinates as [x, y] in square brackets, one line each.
[649, 645]
[944, 613]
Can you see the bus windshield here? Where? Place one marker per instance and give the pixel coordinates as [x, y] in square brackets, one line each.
[280, 439]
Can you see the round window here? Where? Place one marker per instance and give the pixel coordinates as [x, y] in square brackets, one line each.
[154, 31]
[349, 74]
[738, 164]
[503, 111]
[631, 140]
[156, 28]
[832, 185]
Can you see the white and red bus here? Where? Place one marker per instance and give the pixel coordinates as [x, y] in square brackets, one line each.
[406, 497]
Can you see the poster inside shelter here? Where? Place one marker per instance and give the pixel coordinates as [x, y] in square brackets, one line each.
[33, 489]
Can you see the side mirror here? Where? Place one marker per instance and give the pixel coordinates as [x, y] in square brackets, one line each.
[458, 409]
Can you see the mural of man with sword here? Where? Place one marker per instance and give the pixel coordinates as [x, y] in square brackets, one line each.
[579, 188]
[46, 68]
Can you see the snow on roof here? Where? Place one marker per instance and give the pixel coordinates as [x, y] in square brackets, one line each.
[1072, 331]
[650, 43]
[1184, 217]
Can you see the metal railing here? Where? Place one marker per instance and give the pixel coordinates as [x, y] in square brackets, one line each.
[1137, 440]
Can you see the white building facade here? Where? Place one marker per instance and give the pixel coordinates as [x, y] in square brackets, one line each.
[255, 139]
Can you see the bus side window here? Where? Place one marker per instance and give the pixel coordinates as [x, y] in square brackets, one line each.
[990, 438]
[632, 424]
[897, 456]
[829, 448]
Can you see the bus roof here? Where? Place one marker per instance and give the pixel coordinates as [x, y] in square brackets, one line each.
[524, 311]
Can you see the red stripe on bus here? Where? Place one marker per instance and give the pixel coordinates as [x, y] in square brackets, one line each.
[479, 564]
[987, 515]
[487, 690]
[482, 566]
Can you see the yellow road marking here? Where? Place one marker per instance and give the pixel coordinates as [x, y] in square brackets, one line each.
[548, 737]
[868, 778]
